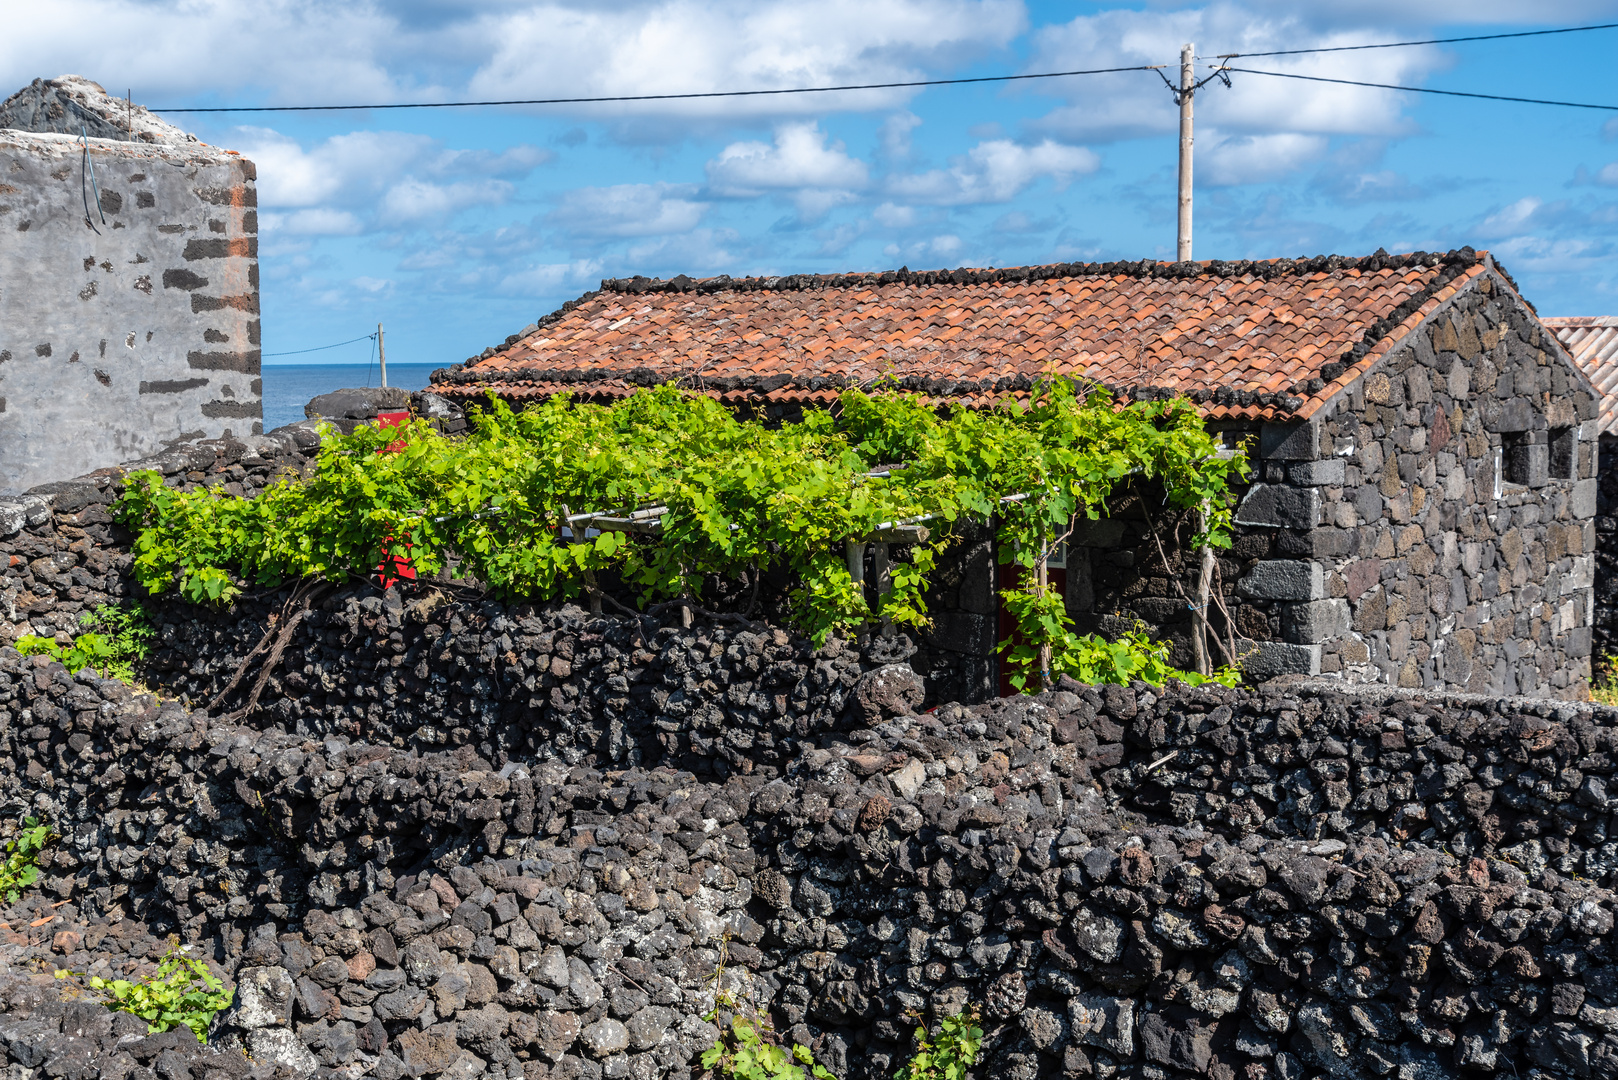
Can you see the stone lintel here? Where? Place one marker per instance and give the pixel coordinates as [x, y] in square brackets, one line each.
[1279, 505]
[1298, 440]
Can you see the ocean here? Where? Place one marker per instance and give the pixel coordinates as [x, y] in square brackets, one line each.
[288, 387]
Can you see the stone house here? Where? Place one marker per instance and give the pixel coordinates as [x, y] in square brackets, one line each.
[1592, 342]
[1424, 451]
[129, 317]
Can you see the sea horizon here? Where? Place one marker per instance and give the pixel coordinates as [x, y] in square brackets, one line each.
[289, 387]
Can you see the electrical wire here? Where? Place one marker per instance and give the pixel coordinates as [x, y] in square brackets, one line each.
[320, 348]
[1430, 41]
[1422, 89]
[663, 97]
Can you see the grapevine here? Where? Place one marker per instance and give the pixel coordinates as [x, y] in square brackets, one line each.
[737, 493]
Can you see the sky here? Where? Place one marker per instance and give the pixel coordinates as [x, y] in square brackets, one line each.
[455, 228]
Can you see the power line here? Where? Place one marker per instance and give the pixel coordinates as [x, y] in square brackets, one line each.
[1430, 41]
[1423, 89]
[319, 348]
[664, 97]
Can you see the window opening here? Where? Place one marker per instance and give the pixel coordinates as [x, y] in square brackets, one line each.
[1514, 447]
[1564, 453]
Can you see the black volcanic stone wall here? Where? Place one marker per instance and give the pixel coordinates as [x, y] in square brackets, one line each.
[526, 683]
[1606, 553]
[1176, 883]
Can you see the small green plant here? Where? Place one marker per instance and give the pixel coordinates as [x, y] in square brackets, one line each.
[1091, 658]
[21, 866]
[115, 639]
[746, 1049]
[181, 992]
[1604, 688]
[947, 1056]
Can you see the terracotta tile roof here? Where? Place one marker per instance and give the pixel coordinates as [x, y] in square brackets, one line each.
[1250, 340]
[1592, 341]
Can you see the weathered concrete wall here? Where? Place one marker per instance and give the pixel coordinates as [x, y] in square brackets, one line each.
[122, 337]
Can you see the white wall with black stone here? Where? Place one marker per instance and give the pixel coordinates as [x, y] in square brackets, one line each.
[129, 313]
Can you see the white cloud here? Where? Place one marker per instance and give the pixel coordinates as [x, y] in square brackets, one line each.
[1136, 103]
[945, 247]
[548, 278]
[413, 200]
[1426, 13]
[698, 251]
[302, 52]
[315, 221]
[996, 171]
[388, 179]
[345, 167]
[1251, 159]
[629, 210]
[1539, 254]
[895, 135]
[1510, 219]
[798, 158]
[894, 217]
[688, 46]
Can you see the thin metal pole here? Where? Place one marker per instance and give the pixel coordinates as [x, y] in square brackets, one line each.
[1187, 79]
[382, 354]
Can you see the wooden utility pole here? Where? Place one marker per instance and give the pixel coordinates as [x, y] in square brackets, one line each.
[382, 354]
[1187, 92]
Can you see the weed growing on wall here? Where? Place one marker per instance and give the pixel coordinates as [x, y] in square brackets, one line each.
[115, 639]
[21, 866]
[181, 992]
[746, 1048]
[1604, 687]
[947, 1055]
[736, 494]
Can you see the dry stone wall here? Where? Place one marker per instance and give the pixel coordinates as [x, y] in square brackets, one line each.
[1178, 883]
[62, 555]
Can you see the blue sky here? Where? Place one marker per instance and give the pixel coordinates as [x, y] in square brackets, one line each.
[458, 227]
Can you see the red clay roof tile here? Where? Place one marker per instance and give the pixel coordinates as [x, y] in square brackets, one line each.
[1592, 342]
[1246, 340]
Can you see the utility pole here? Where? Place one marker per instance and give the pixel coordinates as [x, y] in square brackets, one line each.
[382, 354]
[1187, 92]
